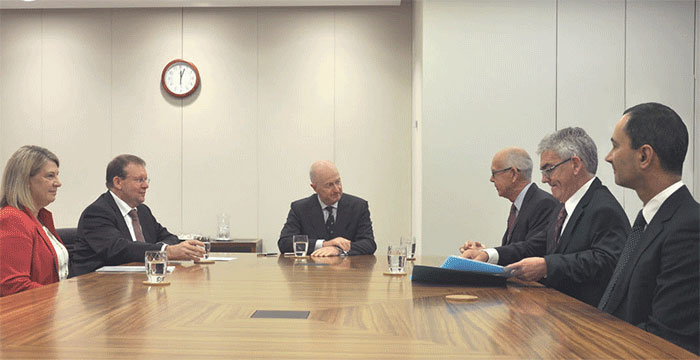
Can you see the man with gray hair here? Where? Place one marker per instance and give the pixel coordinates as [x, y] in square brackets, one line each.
[530, 211]
[587, 231]
[336, 223]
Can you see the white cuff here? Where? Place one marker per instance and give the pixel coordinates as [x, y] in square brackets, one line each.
[319, 244]
[162, 248]
[493, 255]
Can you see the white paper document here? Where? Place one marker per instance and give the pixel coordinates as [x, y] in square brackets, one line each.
[136, 268]
[221, 258]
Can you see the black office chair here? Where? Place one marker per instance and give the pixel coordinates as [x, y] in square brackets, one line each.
[68, 236]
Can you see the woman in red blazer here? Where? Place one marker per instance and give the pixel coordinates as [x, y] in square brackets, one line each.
[31, 253]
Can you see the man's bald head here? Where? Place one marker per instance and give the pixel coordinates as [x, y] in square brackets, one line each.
[325, 180]
[511, 171]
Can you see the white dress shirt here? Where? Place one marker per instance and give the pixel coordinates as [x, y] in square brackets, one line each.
[650, 209]
[61, 254]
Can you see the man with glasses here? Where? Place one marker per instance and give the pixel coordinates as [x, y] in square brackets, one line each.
[530, 212]
[587, 231]
[655, 283]
[119, 228]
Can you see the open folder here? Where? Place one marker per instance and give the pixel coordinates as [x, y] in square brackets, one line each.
[459, 271]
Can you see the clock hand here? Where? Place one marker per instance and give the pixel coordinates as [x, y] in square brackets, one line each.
[181, 72]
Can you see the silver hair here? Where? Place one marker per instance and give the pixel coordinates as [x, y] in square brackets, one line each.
[520, 160]
[572, 141]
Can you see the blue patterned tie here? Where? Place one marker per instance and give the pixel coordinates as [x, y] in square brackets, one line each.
[630, 247]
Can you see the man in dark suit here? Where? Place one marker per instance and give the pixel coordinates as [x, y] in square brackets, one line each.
[118, 228]
[588, 230]
[336, 223]
[530, 212]
[655, 284]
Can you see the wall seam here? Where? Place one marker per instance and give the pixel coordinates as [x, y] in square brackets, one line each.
[41, 77]
[556, 65]
[257, 117]
[694, 127]
[335, 91]
[182, 127]
[111, 82]
[624, 84]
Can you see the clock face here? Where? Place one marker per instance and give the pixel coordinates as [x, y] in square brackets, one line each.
[180, 78]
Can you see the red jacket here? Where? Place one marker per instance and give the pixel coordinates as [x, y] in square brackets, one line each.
[27, 258]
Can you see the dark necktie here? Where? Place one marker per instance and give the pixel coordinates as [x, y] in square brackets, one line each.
[511, 220]
[630, 246]
[136, 225]
[330, 222]
[560, 221]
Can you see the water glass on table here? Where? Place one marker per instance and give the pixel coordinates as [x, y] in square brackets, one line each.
[223, 226]
[410, 243]
[300, 245]
[156, 266]
[396, 258]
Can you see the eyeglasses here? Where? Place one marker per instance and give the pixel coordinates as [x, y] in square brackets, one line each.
[496, 172]
[548, 171]
[142, 180]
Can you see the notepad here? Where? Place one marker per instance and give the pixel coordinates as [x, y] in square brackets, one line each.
[137, 268]
[462, 264]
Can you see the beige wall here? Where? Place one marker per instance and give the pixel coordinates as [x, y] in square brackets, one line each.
[281, 87]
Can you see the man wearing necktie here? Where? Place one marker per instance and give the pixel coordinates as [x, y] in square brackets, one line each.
[119, 228]
[579, 251]
[655, 284]
[530, 211]
[336, 223]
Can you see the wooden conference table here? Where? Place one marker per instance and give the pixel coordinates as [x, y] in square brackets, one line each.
[354, 312]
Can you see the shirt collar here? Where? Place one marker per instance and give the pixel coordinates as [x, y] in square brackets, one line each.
[124, 208]
[573, 201]
[323, 205]
[519, 200]
[652, 207]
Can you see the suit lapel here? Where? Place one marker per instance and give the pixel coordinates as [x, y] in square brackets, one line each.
[522, 212]
[314, 208]
[665, 213]
[341, 221]
[121, 223]
[579, 210]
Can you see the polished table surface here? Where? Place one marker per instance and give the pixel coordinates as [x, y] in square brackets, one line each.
[355, 312]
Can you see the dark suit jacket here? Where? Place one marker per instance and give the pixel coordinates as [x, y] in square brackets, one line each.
[582, 263]
[353, 223]
[532, 221]
[103, 238]
[658, 289]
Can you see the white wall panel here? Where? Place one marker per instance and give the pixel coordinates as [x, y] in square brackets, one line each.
[660, 48]
[219, 150]
[488, 83]
[295, 108]
[20, 78]
[373, 116]
[76, 93]
[591, 73]
[146, 121]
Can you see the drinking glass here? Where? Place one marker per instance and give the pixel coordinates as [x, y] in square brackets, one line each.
[156, 266]
[207, 249]
[396, 257]
[224, 232]
[410, 243]
[300, 245]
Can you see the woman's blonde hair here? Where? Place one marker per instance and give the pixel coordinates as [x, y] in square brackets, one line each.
[24, 163]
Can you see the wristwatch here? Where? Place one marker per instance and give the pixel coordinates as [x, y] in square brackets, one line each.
[341, 252]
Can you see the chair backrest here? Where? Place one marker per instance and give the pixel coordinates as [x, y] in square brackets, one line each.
[68, 236]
